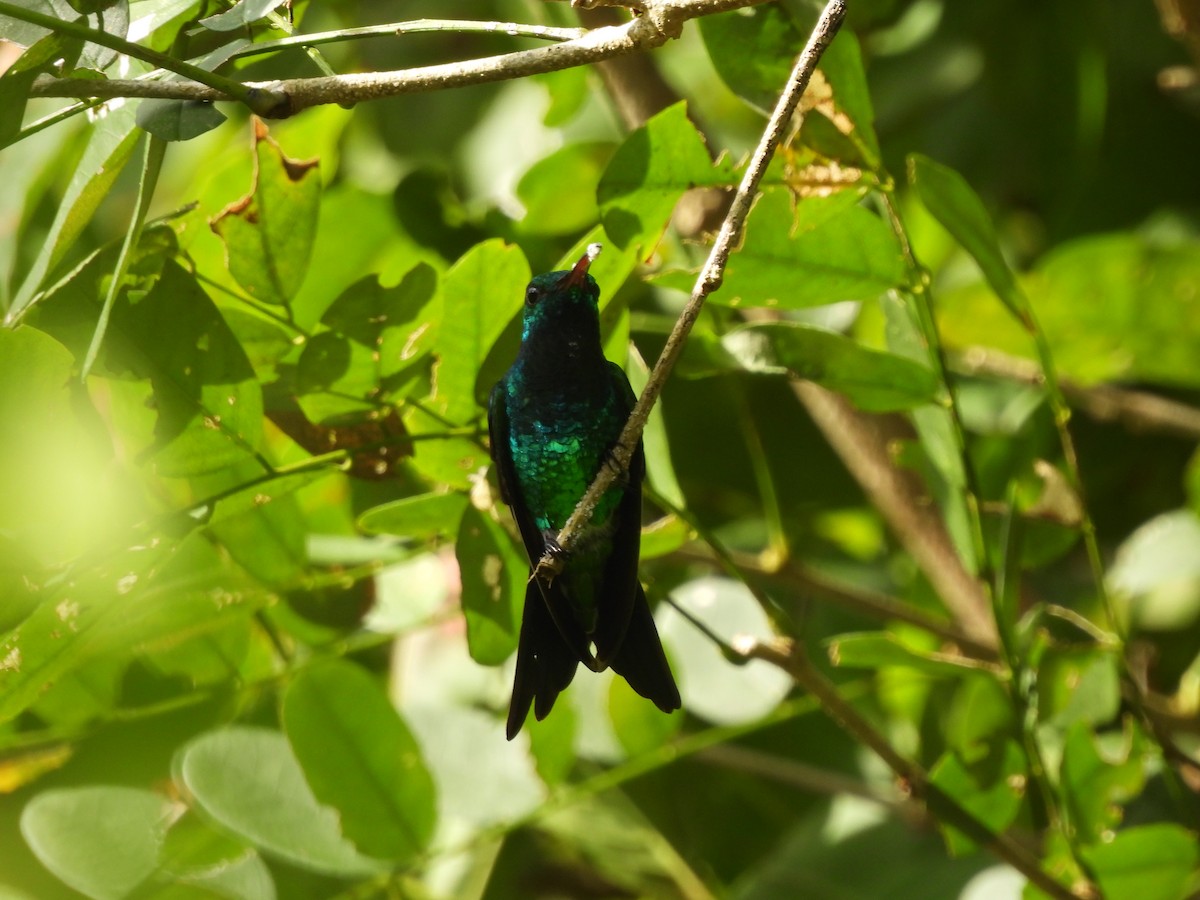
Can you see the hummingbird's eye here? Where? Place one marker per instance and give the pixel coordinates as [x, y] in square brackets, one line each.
[532, 295]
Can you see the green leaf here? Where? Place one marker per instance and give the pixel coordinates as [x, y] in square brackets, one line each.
[559, 191]
[208, 400]
[359, 757]
[1157, 572]
[494, 572]
[877, 649]
[950, 199]
[147, 593]
[249, 781]
[1078, 685]
[480, 295]
[394, 323]
[269, 233]
[166, 330]
[243, 13]
[842, 65]
[874, 380]
[988, 782]
[1113, 307]
[664, 536]
[1099, 775]
[17, 79]
[417, 518]
[178, 120]
[659, 470]
[110, 146]
[112, 18]
[648, 174]
[824, 250]
[196, 854]
[1150, 862]
[101, 841]
[753, 50]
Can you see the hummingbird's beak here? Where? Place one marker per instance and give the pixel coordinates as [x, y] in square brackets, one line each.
[574, 278]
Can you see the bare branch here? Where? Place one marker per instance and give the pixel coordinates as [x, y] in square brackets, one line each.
[1136, 410]
[862, 443]
[662, 21]
[709, 279]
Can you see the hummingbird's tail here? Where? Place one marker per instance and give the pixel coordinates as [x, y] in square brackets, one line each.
[545, 663]
[640, 659]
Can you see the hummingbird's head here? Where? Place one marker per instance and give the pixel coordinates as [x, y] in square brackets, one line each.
[564, 302]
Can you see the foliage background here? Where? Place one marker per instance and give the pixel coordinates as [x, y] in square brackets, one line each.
[231, 668]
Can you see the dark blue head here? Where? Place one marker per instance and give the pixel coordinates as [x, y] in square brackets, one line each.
[563, 306]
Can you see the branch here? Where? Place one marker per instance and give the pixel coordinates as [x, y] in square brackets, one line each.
[261, 100]
[709, 280]
[1136, 410]
[662, 21]
[793, 659]
[862, 444]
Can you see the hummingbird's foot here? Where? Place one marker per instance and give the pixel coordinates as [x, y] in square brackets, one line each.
[554, 548]
[620, 472]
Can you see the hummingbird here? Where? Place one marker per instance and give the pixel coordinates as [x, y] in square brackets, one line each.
[553, 421]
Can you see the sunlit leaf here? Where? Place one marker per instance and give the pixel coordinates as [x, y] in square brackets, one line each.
[1157, 571]
[480, 295]
[494, 573]
[359, 757]
[872, 379]
[877, 649]
[753, 50]
[139, 595]
[17, 79]
[559, 192]
[102, 841]
[650, 172]
[821, 250]
[416, 517]
[249, 780]
[1100, 774]
[1078, 685]
[1150, 862]
[953, 202]
[109, 148]
[269, 233]
[988, 782]
[195, 853]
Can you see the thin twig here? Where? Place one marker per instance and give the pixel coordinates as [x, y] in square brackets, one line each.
[663, 21]
[793, 659]
[417, 26]
[807, 582]
[862, 443]
[709, 279]
[1136, 410]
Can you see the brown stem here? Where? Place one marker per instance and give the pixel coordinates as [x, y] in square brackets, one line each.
[708, 280]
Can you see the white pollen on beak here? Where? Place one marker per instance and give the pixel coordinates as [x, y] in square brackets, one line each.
[593, 250]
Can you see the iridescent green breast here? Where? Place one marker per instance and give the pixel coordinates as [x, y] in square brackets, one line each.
[557, 450]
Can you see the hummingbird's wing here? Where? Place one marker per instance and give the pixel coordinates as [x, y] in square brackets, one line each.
[641, 661]
[617, 595]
